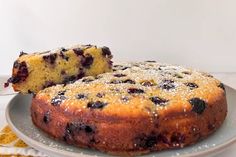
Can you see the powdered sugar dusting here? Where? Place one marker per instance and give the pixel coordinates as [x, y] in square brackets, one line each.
[146, 79]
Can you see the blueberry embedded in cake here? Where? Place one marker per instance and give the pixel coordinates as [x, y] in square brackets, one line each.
[138, 108]
[36, 71]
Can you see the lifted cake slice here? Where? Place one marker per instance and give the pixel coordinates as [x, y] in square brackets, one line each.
[36, 71]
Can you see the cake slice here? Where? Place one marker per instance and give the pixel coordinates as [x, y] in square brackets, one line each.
[36, 71]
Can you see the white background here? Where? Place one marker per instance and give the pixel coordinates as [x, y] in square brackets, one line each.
[195, 33]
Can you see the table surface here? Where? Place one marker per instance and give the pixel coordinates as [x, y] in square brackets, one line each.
[227, 78]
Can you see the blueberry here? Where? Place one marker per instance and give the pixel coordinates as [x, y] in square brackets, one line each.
[158, 101]
[116, 66]
[80, 75]
[16, 64]
[146, 141]
[167, 84]
[96, 105]
[63, 49]
[76, 127]
[191, 85]
[88, 46]
[68, 137]
[31, 92]
[147, 83]
[177, 138]
[87, 61]
[13, 79]
[198, 105]
[124, 68]
[135, 91]
[128, 81]
[100, 95]
[86, 80]
[168, 81]
[69, 79]
[70, 127]
[61, 92]
[211, 127]
[57, 100]
[162, 138]
[62, 55]
[51, 58]
[22, 53]
[221, 85]
[22, 72]
[63, 72]
[115, 81]
[6, 84]
[161, 67]
[120, 75]
[78, 51]
[120, 67]
[81, 96]
[46, 117]
[125, 98]
[88, 129]
[106, 51]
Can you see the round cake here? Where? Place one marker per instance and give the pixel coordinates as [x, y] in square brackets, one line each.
[138, 108]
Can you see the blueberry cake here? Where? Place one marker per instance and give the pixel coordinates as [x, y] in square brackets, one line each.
[33, 72]
[138, 108]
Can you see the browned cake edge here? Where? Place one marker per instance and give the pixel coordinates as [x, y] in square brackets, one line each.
[128, 136]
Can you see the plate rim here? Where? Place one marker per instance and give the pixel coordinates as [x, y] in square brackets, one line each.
[49, 150]
[30, 142]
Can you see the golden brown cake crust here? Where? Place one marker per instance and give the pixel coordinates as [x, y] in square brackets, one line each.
[194, 108]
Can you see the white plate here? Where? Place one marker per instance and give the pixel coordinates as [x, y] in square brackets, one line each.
[19, 119]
